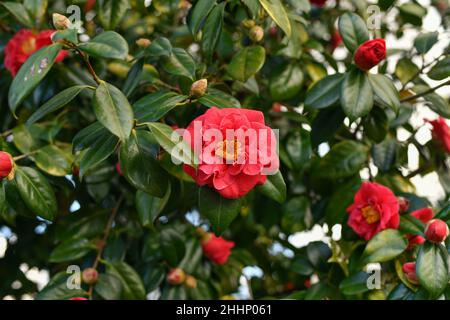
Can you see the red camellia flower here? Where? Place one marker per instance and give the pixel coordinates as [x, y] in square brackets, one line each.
[424, 215]
[6, 166]
[436, 231]
[318, 3]
[374, 209]
[24, 44]
[409, 269]
[370, 53]
[236, 150]
[217, 249]
[441, 133]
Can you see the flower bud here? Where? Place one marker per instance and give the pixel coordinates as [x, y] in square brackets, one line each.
[198, 88]
[248, 23]
[436, 231]
[143, 42]
[307, 283]
[190, 282]
[6, 166]
[409, 269]
[61, 22]
[256, 33]
[176, 276]
[89, 276]
[370, 53]
[403, 204]
[277, 107]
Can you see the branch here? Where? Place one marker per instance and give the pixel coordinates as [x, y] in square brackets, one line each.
[424, 93]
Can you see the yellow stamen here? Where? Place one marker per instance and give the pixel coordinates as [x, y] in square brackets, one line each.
[228, 150]
[370, 214]
[29, 46]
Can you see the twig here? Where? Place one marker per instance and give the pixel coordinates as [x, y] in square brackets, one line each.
[24, 155]
[104, 239]
[424, 93]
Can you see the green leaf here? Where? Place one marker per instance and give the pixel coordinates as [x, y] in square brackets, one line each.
[110, 13]
[247, 62]
[54, 161]
[19, 12]
[24, 139]
[340, 200]
[113, 110]
[213, 29]
[343, 160]
[58, 289]
[276, 11]
[384, 154]
[132, 286]
[274, 187]
[198, 14]
[56, 102]
[219, 99]
[154, 106]
[72, 249]
[405, 70]
[109, 45]
[325, 92]
[108, 286]
[160, 47]
[302, 266]
[356, 94]
[432, 268]
[36, 192]
[140, 167]
[173, 143]
[287, 82]
[253, 6]
[98, 146]
[425, 41]
[149, 207]
[325, 124]
[355, 284]
[31, 73]
[173, 247]
[318, 254]
[179, 63]
[133, 77]
[218, 210]
[444, 213]
[440, 70]
[384, 89]
[353, 30]
[411, 225]
[37, 8]
[434, 101]
[385, 246]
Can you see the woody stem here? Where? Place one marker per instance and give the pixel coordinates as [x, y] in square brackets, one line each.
[424, 93]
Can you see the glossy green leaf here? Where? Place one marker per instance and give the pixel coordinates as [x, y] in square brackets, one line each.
[31, 73]
[277, 12]
[19, 12]
[110, 13]
[425, 41]
[173, 143]
[108, 286]
[133, 77]
[286, 83]
[356, 94]
[213, 29]
[385, 90]
[325, 92]
[36, 192]
[432, 268]
[54, 160]
[58, 288]
[198, 13]
[132, 286]
[218, 210]
[56, 102]
[219, 99]
[353, 30]
[154, 106]
[140, 167]
[109, 45]
[71, 249]
[274, 187]
[180, 63]
[159, 47]
[385, 246]
[150, 207]
[384, 154]
[325, 125]
[173, 246]
[113, 110]
[247, 62]
[440, 70]
[355, 284]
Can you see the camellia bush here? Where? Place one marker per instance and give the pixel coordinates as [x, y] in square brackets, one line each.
[120, 179]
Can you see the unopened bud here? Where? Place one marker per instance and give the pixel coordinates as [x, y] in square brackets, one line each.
[190, 282]
[409, 269]
[256, 33]
[403, 204]
[198, 88]
[6, 166]
[61, 22]
[89, 276]
[143, 42]
[436, 231]
[176, 276]
[248, 23]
